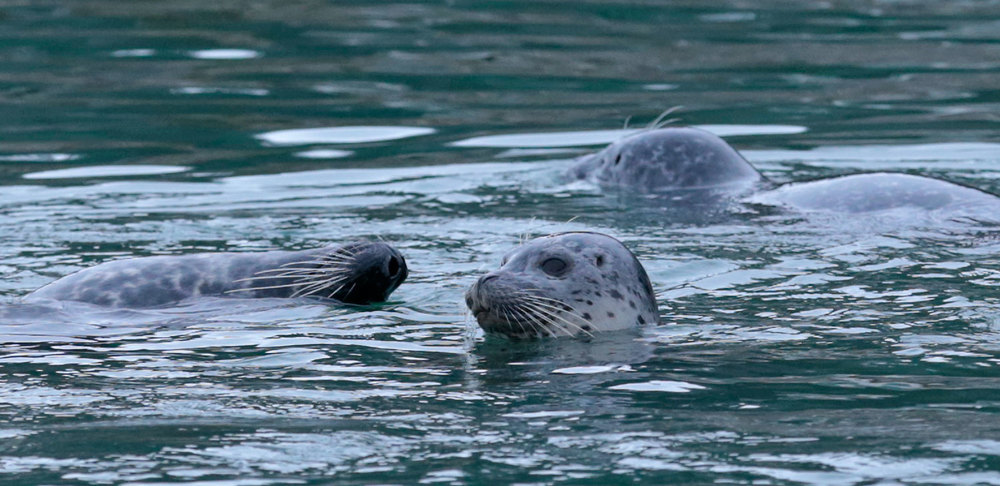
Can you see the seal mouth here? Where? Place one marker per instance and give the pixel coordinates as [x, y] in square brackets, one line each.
[522, 314]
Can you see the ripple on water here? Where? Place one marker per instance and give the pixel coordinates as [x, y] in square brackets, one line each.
[40, 157]
[324, 154]
[664, 386]
[225, 54]
[106, 171]
[828, 350]
[344, 135]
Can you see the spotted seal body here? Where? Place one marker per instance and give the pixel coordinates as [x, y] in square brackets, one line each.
[666, 159]
[356, 273]
[860, 193]
[566, 284]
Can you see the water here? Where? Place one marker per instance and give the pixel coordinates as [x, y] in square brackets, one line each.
[797, 348]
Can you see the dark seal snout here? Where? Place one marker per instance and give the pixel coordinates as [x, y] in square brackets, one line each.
[376, 270]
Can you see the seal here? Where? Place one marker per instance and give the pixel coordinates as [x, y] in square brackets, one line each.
[875, 191]
[665, 159]
[565, 284]
[355, 273]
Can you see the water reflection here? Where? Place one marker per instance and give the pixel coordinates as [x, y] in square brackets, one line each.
[308, 136]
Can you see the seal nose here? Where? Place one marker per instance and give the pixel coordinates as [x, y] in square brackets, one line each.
[474, 297]
[376, 269]
[480, 288]
[395, 266]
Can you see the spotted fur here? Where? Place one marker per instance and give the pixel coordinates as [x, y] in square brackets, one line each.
[602, 287]
[665, 159]
[356, 273]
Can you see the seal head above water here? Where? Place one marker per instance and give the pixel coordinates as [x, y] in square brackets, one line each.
[355, 273]
[664, 159]
[668, 161]
[566, 284]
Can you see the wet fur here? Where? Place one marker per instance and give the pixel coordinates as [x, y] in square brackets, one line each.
[668, 160]
[334, 272]
[605, 289]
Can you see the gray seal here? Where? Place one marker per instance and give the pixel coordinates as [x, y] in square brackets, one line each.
[667, 160]
[566, 284]
[876, 191]
[355, 273]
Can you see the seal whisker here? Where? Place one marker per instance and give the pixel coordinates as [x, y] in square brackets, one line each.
[293, 273]
[338, 258]
[331, 294]
[552, 312]
[537, 325]
[266, 287]
[550, 317]
[661, 121]
[313, 287]
[286, 269]
[352, 288]
[314, 262]
[290, 270]
[304, 279]
[558, 305]
[507, 311]
[342, 252]
[270, 277]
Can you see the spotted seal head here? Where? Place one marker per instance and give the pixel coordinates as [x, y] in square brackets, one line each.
[355, 273]
[566, 284]
[665, 159]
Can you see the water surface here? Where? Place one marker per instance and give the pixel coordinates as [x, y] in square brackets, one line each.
[797, 348]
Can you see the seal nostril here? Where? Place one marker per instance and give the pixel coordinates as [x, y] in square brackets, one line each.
[487, 278]
[393, 266]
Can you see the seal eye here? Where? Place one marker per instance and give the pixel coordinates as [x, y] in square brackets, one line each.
[554, 266]
[393, 267]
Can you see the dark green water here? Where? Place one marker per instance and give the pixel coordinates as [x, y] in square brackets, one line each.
[796, 349]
